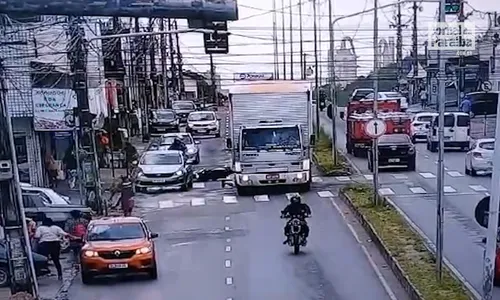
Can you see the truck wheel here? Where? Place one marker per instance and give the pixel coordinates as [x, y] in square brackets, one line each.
[86, 278]
[412, 164]
[434, 147]
[305, 187]
[243, 191]
[357, 152]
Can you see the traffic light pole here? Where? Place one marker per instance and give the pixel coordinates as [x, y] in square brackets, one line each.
[13, 221]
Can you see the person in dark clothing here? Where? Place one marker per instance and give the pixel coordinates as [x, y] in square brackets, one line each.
[70, 166]
[76, 226]
[131, 154]
[178, 145]
[296, 209]
[126, 197]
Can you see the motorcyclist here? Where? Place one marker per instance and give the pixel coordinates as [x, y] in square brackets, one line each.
[178, 145]
[296, 209]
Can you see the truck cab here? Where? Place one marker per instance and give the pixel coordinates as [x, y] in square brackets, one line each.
[270, 139]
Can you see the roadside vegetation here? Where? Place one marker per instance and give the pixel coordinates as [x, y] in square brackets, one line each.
[406, 247]
[323, 157]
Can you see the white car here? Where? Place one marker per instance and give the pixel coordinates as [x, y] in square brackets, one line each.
[203, 122]
[391, 95]
[419, 128]
[479, 158]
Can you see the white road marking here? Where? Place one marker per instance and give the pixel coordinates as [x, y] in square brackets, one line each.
[198, 185]
[227, 263]
[449, 189]
[229, 199]
[166, 204]
[455, 174]
[386, 191]
[427, 175]
[418, 190]
[261, 198]
[197, 202]
[227, 218]
[478, 188]
[229, 280]
[228, 240]
[228, 249]
[317, 179]
[368, 177]
[374, 266]
[400, 176]
[325, 194]
[227, 228]
[343, 178]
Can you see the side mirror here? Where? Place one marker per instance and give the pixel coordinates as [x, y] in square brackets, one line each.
[342, 115]
[312, 140]
[229, 143]
[197, 142]
[153, 235]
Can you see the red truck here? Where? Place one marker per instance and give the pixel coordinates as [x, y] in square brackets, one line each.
[360, 112]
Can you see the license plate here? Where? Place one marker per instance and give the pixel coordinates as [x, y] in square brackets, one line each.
[118, 266]
[393, 160]
[158, 180]
[161, 129]
[273, 176]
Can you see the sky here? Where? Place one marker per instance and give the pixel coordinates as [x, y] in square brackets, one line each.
[251, 44]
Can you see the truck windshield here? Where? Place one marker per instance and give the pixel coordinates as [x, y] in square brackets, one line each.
[270, 138]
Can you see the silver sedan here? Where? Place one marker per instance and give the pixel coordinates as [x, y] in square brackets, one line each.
[479, 158]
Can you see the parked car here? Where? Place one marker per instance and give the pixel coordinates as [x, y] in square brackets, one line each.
[395, 150]
[183, 109]
[166, 140]
[41, 265]
[480, 157]
[118, 245]
[163, 170]
[359, 94]
[203, 122]
[163, 120]
[391, 95]
[420, 125]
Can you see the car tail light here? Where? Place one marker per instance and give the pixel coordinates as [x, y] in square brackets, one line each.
[477, 155]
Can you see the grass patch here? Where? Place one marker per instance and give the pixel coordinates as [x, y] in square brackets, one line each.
[407, 247]
[323, 153]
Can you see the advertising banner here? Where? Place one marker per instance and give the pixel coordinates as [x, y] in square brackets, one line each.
[51, 108]
[253, 76]
[215, 10]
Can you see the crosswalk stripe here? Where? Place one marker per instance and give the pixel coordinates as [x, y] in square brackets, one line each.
[478, 188]
[261, 198]
[368, 177]
[198, 202]
[427, 175]
[400, 176]
[229, 199]
[166, 204]
[449, 189]
[455, 174]
[343, 178]
[418, 190]
[325, 194]
[386, 191]
[317, 179]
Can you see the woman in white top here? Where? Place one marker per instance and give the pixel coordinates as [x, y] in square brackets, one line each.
[49, 238]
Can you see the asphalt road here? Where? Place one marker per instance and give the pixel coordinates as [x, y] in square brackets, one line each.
[416, 194]
[214, 245]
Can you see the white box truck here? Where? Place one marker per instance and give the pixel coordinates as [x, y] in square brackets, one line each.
[270, 134]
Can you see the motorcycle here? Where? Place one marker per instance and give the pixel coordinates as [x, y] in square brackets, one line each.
[296, 237]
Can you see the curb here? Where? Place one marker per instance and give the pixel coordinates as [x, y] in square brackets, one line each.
[410, 289]
[62, 293]
[333, 173]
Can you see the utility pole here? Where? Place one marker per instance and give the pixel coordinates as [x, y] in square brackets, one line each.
[275, 43]
[375, 99]
[320, 41]
[212, 79]
[87, 147]
[302, 64]
[461, 61]
[440, 171]
[332, 88]
[163, 54]
[316, 78]
[291, 42]
[179, 62]
[415, 53]
[173, 67]
[283, 37]
[22, 276]
[152, 61]
[399, 40]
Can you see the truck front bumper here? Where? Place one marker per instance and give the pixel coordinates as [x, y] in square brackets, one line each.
[259, 179]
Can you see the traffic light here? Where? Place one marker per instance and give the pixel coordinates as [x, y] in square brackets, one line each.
[452, 7]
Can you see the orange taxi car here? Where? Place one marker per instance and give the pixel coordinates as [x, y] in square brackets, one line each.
[118, 245]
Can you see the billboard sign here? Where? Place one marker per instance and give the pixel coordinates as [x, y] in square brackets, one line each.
[453, 36]
[253, 76]
[216, 10]
[216, 43]
[51, 107]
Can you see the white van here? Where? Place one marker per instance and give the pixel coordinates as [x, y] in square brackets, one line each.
[456, 131]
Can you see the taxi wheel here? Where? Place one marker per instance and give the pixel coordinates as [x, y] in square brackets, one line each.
[86, 278]
[153, 273]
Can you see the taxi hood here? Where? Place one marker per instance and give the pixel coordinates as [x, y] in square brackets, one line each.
[131, 244]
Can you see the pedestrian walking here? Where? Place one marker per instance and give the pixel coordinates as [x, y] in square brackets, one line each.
[52, 169]
[466, 105]
[126, 198]
[423, 98]
[70, 166]
[76, 226]
[49, 238]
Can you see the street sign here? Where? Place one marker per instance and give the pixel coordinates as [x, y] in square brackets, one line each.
[452, 7]
[216, 43]
[375, 128]
[486, 86]
[481, 212]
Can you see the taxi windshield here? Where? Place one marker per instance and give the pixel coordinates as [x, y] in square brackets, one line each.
[114, 232]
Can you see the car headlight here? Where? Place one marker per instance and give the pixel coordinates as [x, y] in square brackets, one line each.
[306, 164]
[143, 250]
[411, 151]
[190, 125]
[191, 151]
[90, 253]
[179, 173]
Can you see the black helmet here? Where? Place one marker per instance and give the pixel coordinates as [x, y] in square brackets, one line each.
[295, 199]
